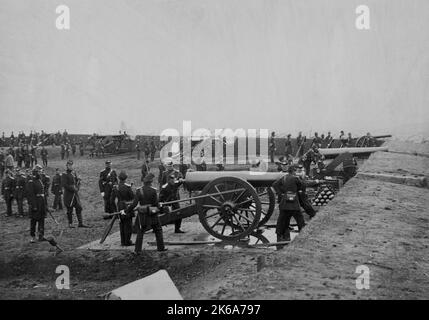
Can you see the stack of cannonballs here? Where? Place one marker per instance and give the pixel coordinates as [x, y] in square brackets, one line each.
[323, 195]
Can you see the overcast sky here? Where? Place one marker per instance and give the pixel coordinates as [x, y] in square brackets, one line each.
[283, 65]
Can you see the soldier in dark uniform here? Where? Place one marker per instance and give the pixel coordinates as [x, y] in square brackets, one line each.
[170, 192]
[27, 157]
[73, 147]
[124, 195]
[46, 180]
[44, 155]
[328, 140]
[71, 183]
[36, 199]
[20, 156]
[272, 146]
[2, 164]
[302, 194]
[288, 187]
[152, 150]
[63, 151]
[147, 196]
[317, 140]
[349, 142]
[7, 190]
[102, 182]
[57, 190]
[111, 184]
[145, 169]
[20, 190]
[33, 155]
[146, 150]
[288, 146]
[81, 150]
[138, 149]
[299, 145]
[161, 168]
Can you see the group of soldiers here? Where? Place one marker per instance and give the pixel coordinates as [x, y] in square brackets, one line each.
[318, 141]
[32, 186]
[120, 198]
[148, 146]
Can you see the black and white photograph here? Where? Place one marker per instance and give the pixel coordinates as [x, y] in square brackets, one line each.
[230, 151]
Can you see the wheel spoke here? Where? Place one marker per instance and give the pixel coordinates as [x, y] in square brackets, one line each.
[239, 196]
[212, 215]
[217, 189]
[210, 206]
[239, 222]
[223, 228]
[244, 217]
[215, 199]
[217, 221]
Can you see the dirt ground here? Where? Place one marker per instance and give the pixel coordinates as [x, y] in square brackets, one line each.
[379, 224]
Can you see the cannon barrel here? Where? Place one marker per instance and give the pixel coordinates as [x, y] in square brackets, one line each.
[196, 180]
[356, 150]
[383, 136]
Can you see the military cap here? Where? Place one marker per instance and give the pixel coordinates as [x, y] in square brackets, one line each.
[38, 167]
[123, 175]
[149, 177]
[108, 162]
[70, 162]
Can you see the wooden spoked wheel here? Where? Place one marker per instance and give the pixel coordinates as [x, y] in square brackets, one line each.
[268, 202]
[231, 209]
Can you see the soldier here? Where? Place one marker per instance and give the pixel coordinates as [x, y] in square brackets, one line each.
[37, 203]
[73, 148]
[146, 149]
[9, 161]
[27, 157]
[2, 165]
[328, 140]
[102, 182]
[152, 150]
[57, 190]
[342, 139]
[20, 155]
[288, 145]
[71, 183]
[125, 195]
[111, 184]
[288, 187]
[170, 192]
[161, 168]
[44, 155]
[146, 196]
[138, 150]
[81, 150]
[145, 169]
[299, 145]
[33, 155]
[302, 194]
[272, 146]
[311, 156]
[67, 151]
[63, 151]
[20, 190]
[46, 180]
[317, 140]
[7, 190]
[349, 168]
